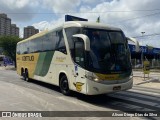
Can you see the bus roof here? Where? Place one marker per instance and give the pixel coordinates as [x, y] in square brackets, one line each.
[89, 25]
[74, 24]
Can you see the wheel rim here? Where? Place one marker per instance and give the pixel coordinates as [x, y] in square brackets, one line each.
[26, 76]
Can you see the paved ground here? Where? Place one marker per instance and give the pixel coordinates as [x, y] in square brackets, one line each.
[19, 95]
[153, 81]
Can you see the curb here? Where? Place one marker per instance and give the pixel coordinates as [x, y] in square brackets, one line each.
[151, 80]
[7, 68]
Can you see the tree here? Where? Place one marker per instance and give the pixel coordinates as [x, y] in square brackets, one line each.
[8, 44]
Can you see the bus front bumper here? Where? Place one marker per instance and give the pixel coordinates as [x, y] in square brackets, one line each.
[95, 88]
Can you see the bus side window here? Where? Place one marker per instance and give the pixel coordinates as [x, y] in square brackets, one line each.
[49, 42]
[60, 46]
[23, 48]
[26, 48]
[35, 45]
[31, 46]
[79, 52]
[18, 49]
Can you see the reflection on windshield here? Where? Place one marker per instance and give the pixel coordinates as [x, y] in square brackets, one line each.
[109, 51]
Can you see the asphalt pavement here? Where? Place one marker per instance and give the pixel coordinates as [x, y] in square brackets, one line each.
[19, 95]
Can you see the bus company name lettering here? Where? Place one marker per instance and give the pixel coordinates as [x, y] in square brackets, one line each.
[28, 58]
[60, 59]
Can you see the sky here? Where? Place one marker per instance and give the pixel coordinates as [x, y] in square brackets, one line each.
[132, 16]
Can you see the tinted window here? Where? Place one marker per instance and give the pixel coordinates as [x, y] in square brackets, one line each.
[31, 46]
[24, 47]
[21, 48]
[116, 37]
[108, 51]
[79, 52]
[18, 48]
[69, 32]
[60, 46]
[38, 47]
[49, 41]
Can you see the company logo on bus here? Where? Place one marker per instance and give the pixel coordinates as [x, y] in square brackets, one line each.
[28, 58]
[78, 86]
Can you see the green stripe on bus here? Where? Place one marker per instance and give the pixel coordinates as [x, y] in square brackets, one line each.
[39, 65]
[43, 63]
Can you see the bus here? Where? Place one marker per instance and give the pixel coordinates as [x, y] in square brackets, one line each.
[89, 58]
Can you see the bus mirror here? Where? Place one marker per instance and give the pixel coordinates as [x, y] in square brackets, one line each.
[85, 39]
[137, 48]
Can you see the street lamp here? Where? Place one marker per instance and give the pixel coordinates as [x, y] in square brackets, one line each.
[142, 50]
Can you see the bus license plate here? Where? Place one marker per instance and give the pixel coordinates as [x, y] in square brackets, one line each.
[117, 88]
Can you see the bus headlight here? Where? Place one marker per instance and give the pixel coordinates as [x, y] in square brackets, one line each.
[96, 79]
[93, 78]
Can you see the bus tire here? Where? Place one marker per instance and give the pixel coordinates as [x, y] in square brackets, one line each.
[26, 76]
[22, 73]
[64, 87]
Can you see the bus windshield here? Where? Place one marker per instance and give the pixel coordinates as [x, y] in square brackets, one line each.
[109, 51]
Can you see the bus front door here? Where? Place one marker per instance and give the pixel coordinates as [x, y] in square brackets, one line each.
[79, 58]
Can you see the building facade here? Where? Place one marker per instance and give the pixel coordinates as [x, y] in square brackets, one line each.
[29, 31]
[14, 30]
[6, 28]
[148, 53]
[5, 24]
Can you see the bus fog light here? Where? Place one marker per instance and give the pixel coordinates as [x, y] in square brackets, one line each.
[95, 88]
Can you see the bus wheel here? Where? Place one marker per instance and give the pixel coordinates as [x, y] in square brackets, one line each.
[64, 85]
[26, 77]
[23, 75]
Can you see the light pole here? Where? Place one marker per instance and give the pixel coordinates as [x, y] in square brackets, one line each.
[142, 50]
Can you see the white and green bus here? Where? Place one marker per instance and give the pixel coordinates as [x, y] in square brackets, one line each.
[90, 58]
